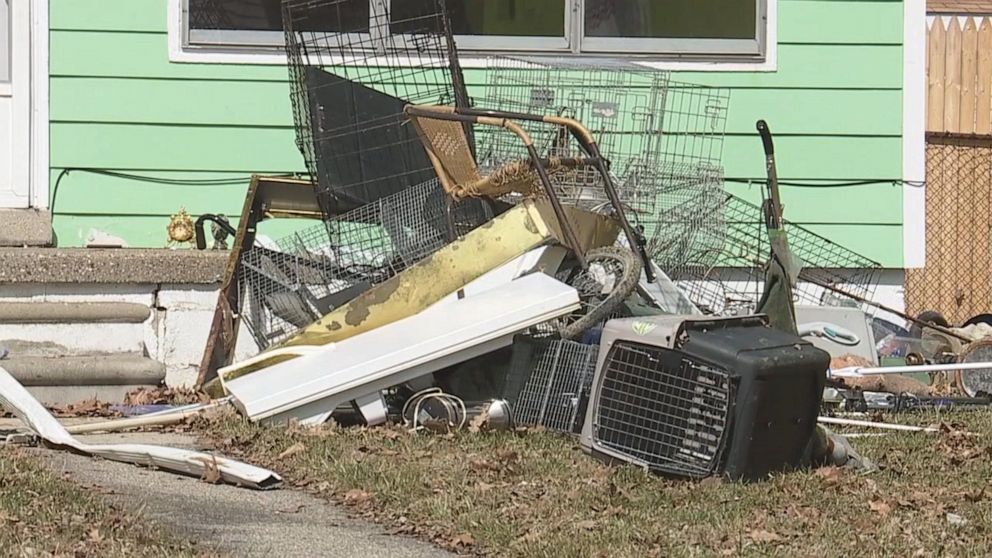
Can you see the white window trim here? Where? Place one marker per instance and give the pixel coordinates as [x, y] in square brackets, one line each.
[178, 52]
[914, 150]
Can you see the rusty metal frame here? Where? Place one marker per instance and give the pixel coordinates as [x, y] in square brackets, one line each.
[581, 134]
[267, 198]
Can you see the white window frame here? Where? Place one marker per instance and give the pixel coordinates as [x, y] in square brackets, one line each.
[264, 47]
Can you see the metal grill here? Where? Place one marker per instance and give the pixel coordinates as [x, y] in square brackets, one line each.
[664, 409]
[664, 138]
[315, 270]
[957, 278]
[353, 66]
[721, 266]
[562, 370]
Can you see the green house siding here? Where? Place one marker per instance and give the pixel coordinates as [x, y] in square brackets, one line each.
[117, 103]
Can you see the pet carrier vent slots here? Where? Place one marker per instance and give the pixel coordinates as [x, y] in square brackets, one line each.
[693, 397]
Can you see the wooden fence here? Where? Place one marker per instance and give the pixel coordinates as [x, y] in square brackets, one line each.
[959, 73]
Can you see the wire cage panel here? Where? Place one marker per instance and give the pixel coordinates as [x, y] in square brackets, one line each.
[317, 269]
[558, 373]
[720, 263]
[660, 135]
[353, 66]
[662, 408]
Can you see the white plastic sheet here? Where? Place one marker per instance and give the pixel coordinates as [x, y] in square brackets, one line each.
[17, 400]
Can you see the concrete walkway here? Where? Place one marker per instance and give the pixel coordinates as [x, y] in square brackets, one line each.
[234, 521]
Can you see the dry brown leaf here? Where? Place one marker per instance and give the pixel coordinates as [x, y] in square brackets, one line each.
[479, 464]
[463, 540]
[880, 507]
[586, 525]
[508, 456]
[712, 480]
[356, 497]
[390, 434]
[478, 423]
[762, 535]
[94, 536]
[829, 474]
[292, 450]
[211, 470]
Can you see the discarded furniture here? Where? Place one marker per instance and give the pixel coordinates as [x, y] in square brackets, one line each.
[310, 387]
[604, 277]
[312, 271]
[267, 197]
[693, 396]
[515, 232]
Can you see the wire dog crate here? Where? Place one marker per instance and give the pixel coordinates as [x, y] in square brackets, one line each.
[547, 379]
[664, 138]
[353, 66]
[313, 271]
[721, 269]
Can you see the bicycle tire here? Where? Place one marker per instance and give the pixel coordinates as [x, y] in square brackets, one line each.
[623, 287]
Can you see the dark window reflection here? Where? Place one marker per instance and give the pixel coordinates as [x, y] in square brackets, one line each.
[266, 15]
[536, 18]
[673, 19]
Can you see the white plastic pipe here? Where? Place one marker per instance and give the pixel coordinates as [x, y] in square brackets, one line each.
[872, 371]
[157, 419]
[870, 424]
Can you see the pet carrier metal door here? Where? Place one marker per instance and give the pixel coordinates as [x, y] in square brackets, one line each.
[663, 409]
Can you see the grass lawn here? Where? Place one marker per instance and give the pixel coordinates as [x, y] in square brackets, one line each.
[537, 494]
[44, 515]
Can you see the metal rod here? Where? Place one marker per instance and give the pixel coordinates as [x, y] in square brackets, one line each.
[635, 240]
[880, 370]
[563, 223]
[870, 424]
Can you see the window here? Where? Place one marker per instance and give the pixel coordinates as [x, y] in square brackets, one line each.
[730, 29]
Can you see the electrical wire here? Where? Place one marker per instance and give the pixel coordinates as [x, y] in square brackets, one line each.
[240, 180]
[835, 184]
[230, 181]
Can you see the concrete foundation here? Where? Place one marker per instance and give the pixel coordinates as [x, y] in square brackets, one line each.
[25, 227]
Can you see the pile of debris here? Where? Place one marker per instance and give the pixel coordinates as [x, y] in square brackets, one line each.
[533, 254]
[556, 251]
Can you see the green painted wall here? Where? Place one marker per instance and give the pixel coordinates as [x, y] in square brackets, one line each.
[117, 103]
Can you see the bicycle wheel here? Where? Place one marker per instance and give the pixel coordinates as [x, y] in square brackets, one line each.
[611, 275]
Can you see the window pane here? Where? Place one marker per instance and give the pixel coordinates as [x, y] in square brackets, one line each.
[535, 18]
[671, 19]
[266, 15]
